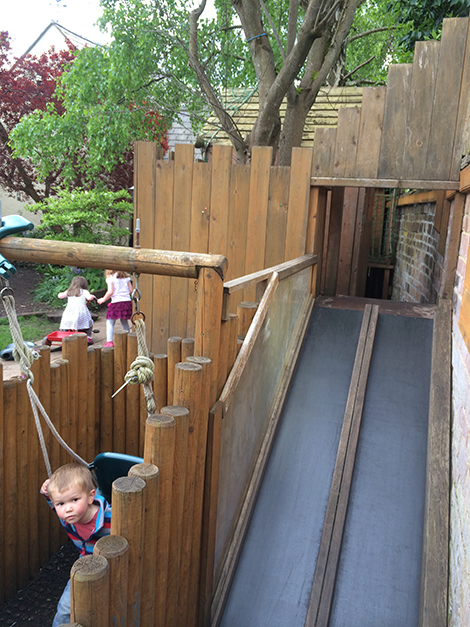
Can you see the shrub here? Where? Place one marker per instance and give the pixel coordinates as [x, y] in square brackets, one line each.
[58, 278]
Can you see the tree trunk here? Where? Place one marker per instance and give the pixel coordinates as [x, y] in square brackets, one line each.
[292, 129]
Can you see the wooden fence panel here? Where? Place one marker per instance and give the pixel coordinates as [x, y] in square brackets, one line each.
[446, 102]
[299, 196]
[220, 186]
[199, 237]
[350, 207]
[181, 233]
[278, 209]
[10, 521]
[145, 175]
[238, 225]
[2, 462]
[462, 127]
[420, 104]
[261, 159]
[162, 238]
[394, 123]
[323, 151]
[370, 131]
[23, 503]
[346, 141]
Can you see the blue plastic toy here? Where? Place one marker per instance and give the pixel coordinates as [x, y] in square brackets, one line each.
[9, 226]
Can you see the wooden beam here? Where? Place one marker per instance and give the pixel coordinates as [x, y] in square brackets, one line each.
[329, 181]
[435, 556]
[284, 270]
[417, 199]
[141, 260]
[465, 180]
[326, 567]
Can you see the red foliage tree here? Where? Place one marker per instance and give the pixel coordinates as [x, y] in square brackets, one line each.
[28, 85]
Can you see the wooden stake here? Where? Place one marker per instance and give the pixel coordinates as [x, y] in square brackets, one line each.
[116, 551]
[89, 591]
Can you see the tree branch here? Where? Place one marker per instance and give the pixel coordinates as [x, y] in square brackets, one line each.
[344, 78]
[273, 28]
[366, 33]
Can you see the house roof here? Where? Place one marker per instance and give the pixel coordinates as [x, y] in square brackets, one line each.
[243, 105]
[55, 35]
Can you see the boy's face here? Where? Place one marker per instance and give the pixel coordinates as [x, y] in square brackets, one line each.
[73, 505]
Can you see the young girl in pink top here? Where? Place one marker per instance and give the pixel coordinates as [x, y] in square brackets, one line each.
[120, 307]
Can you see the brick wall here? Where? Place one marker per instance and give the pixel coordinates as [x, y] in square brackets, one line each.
[419, 266]
[459, 593]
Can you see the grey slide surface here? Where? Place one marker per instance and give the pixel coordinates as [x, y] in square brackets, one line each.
[379, 570]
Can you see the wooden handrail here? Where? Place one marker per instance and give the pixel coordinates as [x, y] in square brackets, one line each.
[140, 260]
[249, 342]
[284, 270]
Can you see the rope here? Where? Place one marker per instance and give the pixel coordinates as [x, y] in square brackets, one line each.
[25, 356]
[142, 369]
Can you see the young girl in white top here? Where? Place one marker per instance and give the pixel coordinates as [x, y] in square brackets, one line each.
[77, 316]
[120, 307]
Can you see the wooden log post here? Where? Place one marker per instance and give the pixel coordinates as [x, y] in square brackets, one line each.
[246, 312]
[107, 390]
[159, 449]
[233, 341]
[70, 353]
[11, 524]
[223, 355]
[89, 591]
[193, 596]
[119, 401]
[208, 320]
[116, 551]
[174, 357]
[187, 348]
[181, 418]
[151, 475]
[160, 380]
[132, 402]
[187, 393]
[128, 521]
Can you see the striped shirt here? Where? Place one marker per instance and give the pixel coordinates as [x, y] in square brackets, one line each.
[102, 528]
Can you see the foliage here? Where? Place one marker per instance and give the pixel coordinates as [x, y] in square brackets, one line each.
[26, 86]
[103, 109]
[381, 45]
[424, 17]
[33, 329]
[58, 278]
[90, 216]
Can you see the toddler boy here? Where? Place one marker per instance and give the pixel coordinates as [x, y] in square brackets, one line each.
[85, 516]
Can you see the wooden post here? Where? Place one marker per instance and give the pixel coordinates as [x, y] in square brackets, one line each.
[116, 551]
[211, 492]
[89, 591]
[203, 418]
[107, 390]
[128, 521]
[11, 524]
[119, 401]
[160, 380]
[92, 392]
[151, 475]
[246, 312]
[174, 357]
[223, 355]
[160, 450]
[208, 320]
[316, 232]
[233, 341]
[181, 418]
[132, 393]
[70, 352]
[22, 497]
[188, 381]
[187, 348]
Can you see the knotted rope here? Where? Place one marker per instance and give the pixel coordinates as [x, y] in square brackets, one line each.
[24, 357]
[142, 368]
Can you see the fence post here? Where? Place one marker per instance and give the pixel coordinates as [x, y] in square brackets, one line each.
[89, 591]
[116, 550]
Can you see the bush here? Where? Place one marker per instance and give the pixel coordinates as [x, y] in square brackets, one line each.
[57, 279]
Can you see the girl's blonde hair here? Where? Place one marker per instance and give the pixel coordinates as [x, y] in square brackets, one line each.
[72, 474]
[78, 284]
[119, 274]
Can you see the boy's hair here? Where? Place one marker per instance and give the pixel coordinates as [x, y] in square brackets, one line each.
[78, 284]
[120, 274]
[70, 475]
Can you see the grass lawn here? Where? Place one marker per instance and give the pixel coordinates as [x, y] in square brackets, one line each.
[33, 328]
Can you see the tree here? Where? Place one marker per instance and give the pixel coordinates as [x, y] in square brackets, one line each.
[28, 85]
[425, 17]
[164, 56]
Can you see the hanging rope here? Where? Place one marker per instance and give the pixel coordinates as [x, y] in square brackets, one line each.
[24, 357]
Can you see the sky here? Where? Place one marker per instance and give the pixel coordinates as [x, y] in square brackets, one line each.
[26, 19]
